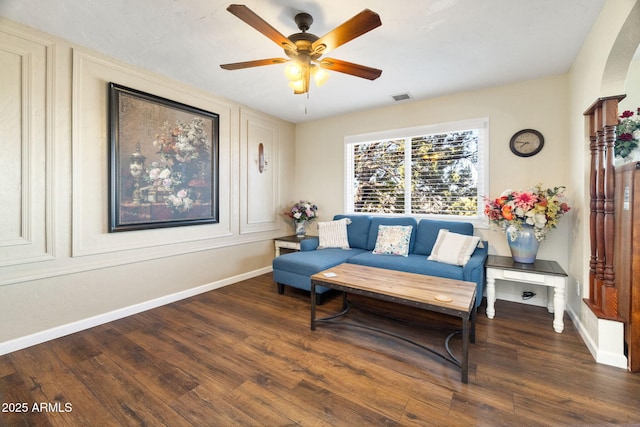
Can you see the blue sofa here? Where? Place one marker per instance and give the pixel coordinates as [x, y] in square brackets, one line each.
[295, 269]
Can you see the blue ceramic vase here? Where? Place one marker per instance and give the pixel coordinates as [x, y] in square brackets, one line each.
[523, 244]
[300, 229]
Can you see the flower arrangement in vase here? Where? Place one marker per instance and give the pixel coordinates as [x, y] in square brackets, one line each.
[628, 134]
[300, 212]
[527, 215]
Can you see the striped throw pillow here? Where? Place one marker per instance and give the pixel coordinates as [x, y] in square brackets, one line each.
[333, 234]
[453, 248]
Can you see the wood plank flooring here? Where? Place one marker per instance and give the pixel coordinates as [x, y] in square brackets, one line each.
[244, 355]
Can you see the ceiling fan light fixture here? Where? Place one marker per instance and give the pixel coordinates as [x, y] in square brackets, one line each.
[293, 71]
[297, 85]
[320, 76]
[304, 48]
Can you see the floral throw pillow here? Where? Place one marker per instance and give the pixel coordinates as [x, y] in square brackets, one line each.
[393, 240]
[453, 248]
[333, 234]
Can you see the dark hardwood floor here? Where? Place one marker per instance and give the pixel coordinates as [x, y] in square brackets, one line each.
[244, 355]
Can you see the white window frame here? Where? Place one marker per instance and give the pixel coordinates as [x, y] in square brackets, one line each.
[479, 124]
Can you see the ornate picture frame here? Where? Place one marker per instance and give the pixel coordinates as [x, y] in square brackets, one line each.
[163, 162]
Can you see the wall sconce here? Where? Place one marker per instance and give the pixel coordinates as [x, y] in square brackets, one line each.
[263, 160]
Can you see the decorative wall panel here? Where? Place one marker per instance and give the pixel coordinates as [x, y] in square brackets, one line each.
[259, 141]
[91, 75]
[54, 163]
[25, 147]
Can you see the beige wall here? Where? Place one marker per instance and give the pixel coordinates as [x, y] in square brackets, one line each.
[60, 269]
[632, 86]
[600, 70]
[539, 104]
[552, 105]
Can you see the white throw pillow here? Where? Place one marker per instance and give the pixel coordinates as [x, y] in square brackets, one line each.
[333, 234]
[453, 248]
[393, 240]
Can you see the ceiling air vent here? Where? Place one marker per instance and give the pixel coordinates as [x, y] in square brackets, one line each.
[401, 97]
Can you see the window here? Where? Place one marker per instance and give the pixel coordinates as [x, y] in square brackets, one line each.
[439, 170]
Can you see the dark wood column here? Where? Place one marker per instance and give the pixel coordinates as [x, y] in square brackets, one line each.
[603, 294]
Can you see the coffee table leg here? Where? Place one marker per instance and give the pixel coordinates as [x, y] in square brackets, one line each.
[313, 306]
[474, 314]
[465, 350]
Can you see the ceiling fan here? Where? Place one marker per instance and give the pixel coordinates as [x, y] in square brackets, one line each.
[305, 49]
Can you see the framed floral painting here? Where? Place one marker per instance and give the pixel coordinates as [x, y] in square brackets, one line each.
[163, 162]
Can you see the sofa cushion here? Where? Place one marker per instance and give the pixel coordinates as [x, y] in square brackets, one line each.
[427, 233]
[453, 248]
[311, 262]
[358, 230]
[411, 264]
[378, 221]
[333, 234]
[393, 240]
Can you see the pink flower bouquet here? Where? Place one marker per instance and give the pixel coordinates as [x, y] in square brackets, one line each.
[542, 209]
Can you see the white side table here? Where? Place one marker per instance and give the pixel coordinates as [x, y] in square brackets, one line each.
[541, 272]
[287, 242]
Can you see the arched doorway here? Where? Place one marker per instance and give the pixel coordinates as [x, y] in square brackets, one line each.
[623, 53]
[616, 291]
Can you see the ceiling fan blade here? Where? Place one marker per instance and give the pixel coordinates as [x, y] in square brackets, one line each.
[350, 68]
[256, 63]
[363, 22]
[251, 18]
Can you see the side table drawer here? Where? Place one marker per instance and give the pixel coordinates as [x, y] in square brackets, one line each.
[525, 277]
[289, 245]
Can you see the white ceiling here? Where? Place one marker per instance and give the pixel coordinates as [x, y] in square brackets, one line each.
[427, 48]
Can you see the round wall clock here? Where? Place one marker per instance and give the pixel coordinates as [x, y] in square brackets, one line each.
[526, 143]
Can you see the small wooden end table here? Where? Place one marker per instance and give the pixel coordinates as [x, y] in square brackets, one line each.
[541, 272]
[287, 242]
[448, 296]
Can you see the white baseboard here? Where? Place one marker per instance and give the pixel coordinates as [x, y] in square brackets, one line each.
[612, 359]
[80, 325]
[588, 341]
[599, 355]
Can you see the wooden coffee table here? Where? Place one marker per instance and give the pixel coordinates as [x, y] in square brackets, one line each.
[448, 296]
